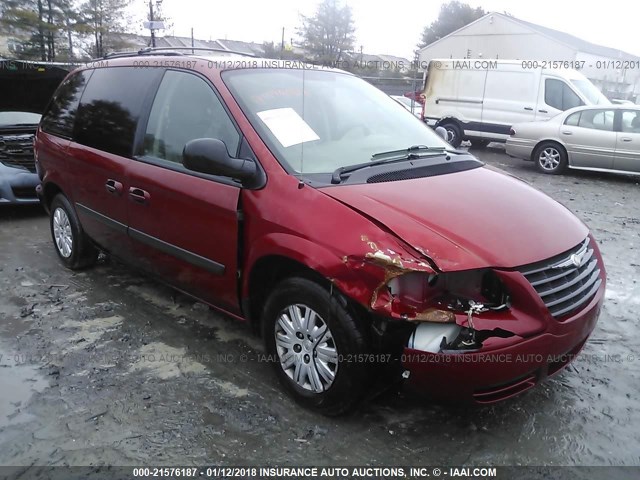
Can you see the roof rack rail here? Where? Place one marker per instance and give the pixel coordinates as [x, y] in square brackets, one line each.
[172, 51]
[135, 53]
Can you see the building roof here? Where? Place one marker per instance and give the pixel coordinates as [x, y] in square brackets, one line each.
[240, 46]
[562, 37]
[573, 41]
[171, 41]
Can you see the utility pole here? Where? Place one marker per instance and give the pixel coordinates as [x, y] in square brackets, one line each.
[282, 44]
[192, 41]
[153, 35]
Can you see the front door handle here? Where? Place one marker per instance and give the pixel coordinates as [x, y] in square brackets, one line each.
[528, 109]
[113, 187]
[625, 139]
[543, 111]
[138, 195]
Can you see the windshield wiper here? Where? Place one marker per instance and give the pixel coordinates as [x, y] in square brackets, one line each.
[391, 156]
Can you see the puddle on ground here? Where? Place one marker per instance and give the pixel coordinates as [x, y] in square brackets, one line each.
[19, 382]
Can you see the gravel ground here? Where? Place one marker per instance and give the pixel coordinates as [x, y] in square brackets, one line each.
[107, 367]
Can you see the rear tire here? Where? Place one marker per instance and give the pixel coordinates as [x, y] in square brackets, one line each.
[454, 133]
[72, 245]
[550, 158]
[316, 345]
[479, 143]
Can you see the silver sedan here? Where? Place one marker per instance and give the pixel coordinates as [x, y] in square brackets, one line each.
[601, 138]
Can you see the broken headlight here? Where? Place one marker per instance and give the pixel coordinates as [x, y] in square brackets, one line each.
[436, 297]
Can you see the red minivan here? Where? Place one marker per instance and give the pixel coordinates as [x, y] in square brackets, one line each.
[311, 204]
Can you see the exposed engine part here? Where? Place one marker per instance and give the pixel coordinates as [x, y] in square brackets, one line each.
[451, 338]
[428, 337]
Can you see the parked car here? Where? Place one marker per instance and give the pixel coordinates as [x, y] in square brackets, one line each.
[411, 105]
[620, 101]
[585, 138]
[307, 203]
[18, 178]
[479, 100]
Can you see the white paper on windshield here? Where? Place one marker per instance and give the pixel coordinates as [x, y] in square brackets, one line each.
[287, 126]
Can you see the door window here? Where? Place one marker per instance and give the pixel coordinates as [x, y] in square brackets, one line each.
[186, 108]
[597, 119]
[558, 94]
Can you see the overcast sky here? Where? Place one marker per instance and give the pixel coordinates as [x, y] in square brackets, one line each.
[394, 26]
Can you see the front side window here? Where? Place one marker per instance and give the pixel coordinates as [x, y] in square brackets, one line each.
[631, 121]
[186, 108]
[111, 106]
[316, 121]
[60, 115]
[558, 94]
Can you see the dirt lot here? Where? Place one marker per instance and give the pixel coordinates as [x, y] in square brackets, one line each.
[109, 367]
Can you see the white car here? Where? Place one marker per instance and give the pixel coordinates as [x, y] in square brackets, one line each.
[411, 105]
[601, 138]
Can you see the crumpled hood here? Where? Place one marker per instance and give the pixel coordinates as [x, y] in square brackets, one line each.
[472, 219]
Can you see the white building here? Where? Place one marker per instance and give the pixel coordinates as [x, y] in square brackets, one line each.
[496, 35]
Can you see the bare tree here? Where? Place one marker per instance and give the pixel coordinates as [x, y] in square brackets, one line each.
[330, 32]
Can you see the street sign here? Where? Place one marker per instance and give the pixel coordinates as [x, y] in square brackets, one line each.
[155, 25]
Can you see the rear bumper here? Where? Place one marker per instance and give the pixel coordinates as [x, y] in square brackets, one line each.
[519, 148]
[18, 186]
[492, 375]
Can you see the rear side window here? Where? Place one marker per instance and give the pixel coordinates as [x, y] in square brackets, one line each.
[111, 106]
[59, 117]
[573, 119]
[186, 108]
[597, 119]
[557, 94]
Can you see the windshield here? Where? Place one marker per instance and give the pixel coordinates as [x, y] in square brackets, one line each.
[316, 121]
[19, 118]
[590, 92]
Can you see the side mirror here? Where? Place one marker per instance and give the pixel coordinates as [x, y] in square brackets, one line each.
[442, 132]
[209, 155]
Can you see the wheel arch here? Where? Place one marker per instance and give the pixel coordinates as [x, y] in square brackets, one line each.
[534, 151]
[281, 256]
[50, 190]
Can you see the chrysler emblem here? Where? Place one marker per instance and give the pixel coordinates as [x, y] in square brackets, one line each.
[574, 260]
[577, 259]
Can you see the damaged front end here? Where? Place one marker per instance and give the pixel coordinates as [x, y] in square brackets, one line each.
[441, 325]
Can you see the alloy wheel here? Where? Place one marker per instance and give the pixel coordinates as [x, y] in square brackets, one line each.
[62, 233]
[306, 349]
[549, 159]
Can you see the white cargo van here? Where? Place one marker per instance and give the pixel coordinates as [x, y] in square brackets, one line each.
[479, 100]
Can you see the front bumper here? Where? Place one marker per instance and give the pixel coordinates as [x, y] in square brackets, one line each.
[509, 368]
[18, 186]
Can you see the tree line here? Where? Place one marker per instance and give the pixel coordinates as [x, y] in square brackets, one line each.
[66, 30]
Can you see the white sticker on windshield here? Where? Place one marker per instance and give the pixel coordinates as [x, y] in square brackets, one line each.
[287, 126]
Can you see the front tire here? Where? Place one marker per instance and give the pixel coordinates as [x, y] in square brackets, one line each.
[316, 345]
[72, 245]
[550, 158]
